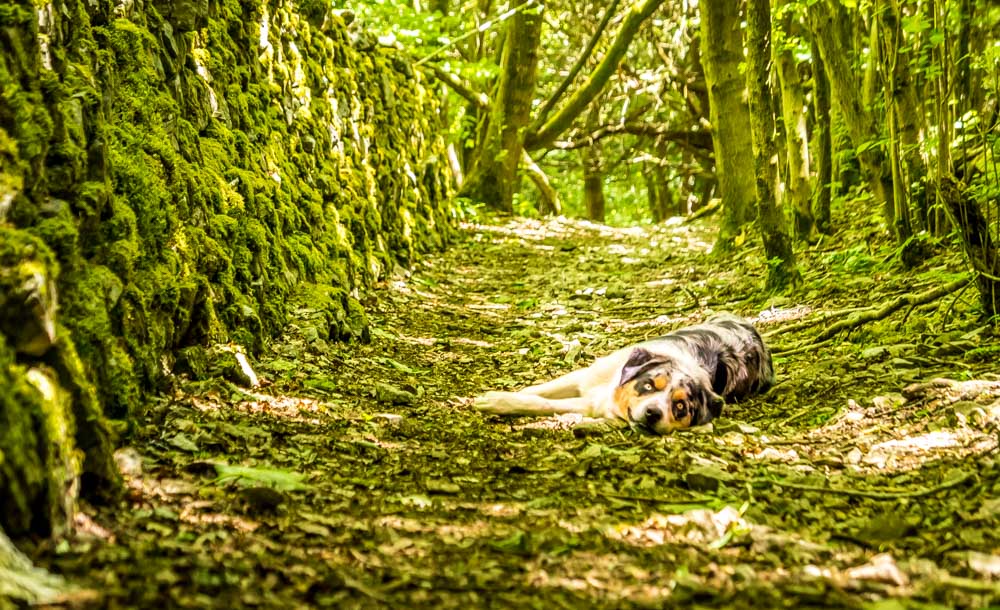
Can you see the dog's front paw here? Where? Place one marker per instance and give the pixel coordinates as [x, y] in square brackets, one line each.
[491, 402]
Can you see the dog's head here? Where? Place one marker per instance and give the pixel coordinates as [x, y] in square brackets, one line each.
[661, 394]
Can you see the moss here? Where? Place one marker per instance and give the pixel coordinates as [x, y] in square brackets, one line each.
[189, 183]
[30, 500]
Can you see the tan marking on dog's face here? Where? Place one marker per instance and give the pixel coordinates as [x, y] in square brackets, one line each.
[627, 397]
[674, 402]
[624, 397]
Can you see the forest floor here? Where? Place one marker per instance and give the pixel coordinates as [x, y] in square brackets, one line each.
[360, 475]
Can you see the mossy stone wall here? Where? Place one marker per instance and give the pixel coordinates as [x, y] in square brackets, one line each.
[186, 166]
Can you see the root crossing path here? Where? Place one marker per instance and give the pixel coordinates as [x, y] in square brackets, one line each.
[360, 476]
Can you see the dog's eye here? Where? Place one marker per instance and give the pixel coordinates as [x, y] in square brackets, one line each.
[646, 387]
[680, 408]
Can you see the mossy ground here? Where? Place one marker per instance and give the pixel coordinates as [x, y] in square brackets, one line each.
[367, 480]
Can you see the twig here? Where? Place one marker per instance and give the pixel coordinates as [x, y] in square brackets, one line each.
[871, 315]
[480, 100]
[482, 28]
[872, 495]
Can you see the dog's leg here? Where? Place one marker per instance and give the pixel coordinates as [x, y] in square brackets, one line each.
[567, 386]
[582, 381]
[520, 403]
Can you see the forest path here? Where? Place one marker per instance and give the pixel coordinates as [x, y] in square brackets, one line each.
[360, 476]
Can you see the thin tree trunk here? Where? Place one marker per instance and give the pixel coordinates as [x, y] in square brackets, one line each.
[831, 25]
[782, 271]
[593, 178]
[888, 45]
[945, 117]
[493, 178]
[823, 145]
[668, 200]
[721, 56]
[977, 242]
[652, 193]
[793, 106]
[549, 203]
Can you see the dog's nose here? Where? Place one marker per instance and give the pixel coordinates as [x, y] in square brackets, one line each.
[653, 415]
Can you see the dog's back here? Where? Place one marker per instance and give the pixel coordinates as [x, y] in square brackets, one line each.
[731, 350]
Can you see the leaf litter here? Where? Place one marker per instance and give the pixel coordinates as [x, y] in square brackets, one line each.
[359, 475]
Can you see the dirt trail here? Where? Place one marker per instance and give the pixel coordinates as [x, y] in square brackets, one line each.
[361, 477]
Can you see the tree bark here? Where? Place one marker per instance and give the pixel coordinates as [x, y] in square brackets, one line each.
[831, 26]
[549, 203]
[546, 134]
[593, 178]
[977, 242]
[889, 40]
[722, 53]
[493, 177]
[782, 271]
[823, 133]
[793, 109]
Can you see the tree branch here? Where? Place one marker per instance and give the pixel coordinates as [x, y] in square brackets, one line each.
[583, 96]
[701, 139]
[480, 100]
[550, 103]
[549, 195]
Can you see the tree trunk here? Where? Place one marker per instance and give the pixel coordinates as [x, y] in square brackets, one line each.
[722, 54]
[493, 177]
[665, 196]
[977, 242]
[823, 133]
[593, 178]
[782, 271]
[831, 26]
[793, 109]
[890, 39]
[944, 118]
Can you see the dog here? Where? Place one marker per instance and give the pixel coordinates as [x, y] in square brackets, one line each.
[674, 382]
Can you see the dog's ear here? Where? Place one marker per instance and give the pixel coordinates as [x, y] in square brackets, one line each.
[639, 360]
[709, 407]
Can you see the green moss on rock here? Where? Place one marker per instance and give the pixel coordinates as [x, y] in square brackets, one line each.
[191, 174]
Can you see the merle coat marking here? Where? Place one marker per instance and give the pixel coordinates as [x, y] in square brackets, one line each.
[673, 382]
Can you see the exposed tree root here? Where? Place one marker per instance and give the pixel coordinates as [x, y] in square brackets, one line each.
[871, 495]
[954, 390]
[874, 314]
[810, 322]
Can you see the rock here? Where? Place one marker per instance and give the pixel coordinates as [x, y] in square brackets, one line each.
[226, 361]
[390, 394]
[27, 293]
[705, 478]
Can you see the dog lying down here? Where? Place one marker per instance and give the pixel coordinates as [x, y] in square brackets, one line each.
[674, 382]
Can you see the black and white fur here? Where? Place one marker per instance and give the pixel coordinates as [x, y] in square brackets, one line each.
[676, 381]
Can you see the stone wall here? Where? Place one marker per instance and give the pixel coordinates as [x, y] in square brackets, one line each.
[171, 174]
